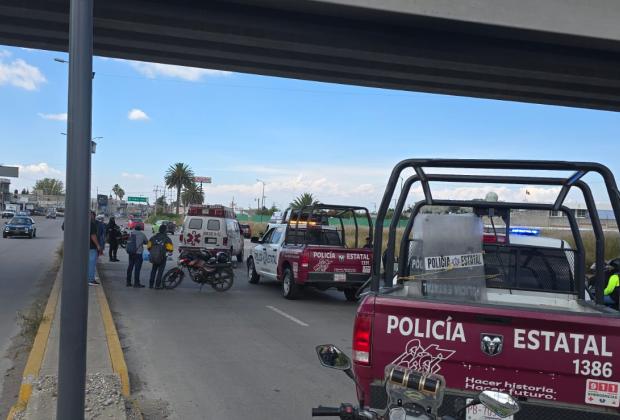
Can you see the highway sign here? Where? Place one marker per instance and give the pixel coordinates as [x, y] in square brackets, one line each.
[137, 199]
[202, 179]
[11, 171]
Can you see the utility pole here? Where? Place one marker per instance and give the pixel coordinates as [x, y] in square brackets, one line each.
[156, 190]
[74, 298]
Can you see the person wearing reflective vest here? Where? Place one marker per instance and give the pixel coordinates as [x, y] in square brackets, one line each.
[612, 289]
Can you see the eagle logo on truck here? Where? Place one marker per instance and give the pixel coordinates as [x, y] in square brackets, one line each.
[422, 358]
[491, 344]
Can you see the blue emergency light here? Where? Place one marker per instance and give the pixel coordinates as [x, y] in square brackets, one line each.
[524, 231]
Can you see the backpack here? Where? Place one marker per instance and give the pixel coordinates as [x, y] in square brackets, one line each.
[132, 246]
[158, 252]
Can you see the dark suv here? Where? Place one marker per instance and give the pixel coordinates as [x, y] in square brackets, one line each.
[20, 226]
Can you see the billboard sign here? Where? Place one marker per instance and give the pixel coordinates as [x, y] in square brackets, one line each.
[202, 179]
[12, 171]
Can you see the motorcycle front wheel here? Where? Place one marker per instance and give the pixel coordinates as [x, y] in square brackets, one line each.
[173, 278]
[222, 280]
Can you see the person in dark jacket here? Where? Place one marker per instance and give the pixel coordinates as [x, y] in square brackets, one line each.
[160, 246]
[135, 247]
[114, 234]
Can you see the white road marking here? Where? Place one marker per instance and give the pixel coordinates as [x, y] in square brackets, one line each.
[285, 315]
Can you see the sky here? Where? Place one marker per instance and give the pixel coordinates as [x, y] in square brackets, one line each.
[337, 142]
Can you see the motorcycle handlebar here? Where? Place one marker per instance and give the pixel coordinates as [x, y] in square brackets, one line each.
[326, 412]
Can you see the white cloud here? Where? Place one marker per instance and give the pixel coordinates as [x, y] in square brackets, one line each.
[37, 169]
[133, 176]
[20, 74]
[137, 114]
[191, 74]
[55, 117]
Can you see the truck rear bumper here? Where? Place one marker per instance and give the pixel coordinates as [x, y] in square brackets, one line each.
[328, 280]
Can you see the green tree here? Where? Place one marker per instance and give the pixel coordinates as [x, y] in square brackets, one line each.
[50, 186]
[192, 195]
[178, 176]
[160, 203]
[306, 199]
[118, 191]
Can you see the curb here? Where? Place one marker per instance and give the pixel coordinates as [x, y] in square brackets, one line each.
[117, 357]
[119, 366]
[39, 347]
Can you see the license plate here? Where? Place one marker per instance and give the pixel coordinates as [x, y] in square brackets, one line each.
[340, 277]
[211, 240]
[480, 412]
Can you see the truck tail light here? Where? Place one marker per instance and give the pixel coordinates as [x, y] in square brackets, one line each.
[362, 332]
[225, 241]
[304, 259]
[181, 237]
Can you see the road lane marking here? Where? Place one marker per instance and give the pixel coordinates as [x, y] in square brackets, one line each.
[285, 315]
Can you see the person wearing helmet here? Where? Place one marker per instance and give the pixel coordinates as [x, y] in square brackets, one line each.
[160, 246]
[612, 288]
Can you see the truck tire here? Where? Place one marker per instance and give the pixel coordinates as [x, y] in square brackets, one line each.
[253, 276]
[350, 294]
[290, 289]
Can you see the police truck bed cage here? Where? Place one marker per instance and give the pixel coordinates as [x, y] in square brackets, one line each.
[578, 171]
[317, 215]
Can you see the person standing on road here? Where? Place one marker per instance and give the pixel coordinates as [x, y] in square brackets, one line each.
[135, 248]
[114, 234]
[95, 250]
[159, 246]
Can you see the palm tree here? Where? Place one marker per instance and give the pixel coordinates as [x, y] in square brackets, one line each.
[306, 199]
[192, 195]
[116, 189]
[178, 176]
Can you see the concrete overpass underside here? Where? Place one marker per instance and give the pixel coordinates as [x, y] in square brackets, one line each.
[388, 44]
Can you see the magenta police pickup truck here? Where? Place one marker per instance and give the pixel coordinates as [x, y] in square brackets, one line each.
[312, 248]
[468, 300]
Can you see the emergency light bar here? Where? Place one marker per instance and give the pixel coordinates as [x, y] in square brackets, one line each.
[524, 231]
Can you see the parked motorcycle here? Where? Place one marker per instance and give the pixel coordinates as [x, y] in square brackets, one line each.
[412, 395]
[203, 268]
[124, 237]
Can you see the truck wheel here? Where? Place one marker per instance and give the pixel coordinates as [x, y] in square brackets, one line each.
[253, 276]
[350, 295]
[240, 256]
[290, 289]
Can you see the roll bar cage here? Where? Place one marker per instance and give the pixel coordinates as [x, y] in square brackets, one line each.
[579, 169]
[341, 210]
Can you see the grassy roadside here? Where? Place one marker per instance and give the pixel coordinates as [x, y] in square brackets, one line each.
[177, 219]
[29, 321]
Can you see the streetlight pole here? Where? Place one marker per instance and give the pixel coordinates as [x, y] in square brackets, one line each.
[263, 194]
[74, 299]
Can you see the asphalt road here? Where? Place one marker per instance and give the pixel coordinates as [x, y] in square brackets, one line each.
[244, 353]
[24, 271]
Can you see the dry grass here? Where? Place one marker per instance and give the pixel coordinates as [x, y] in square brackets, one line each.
[29, 321]
[612, 240]
[612, 243]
